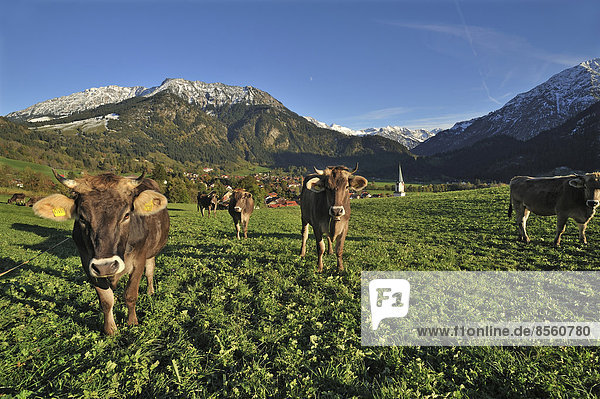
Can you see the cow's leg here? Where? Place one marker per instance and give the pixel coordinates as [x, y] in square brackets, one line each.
[320, 250]
[150, 263]
[237, 227]
[132, 291]
[582, 227]
[304, 233]
[202, 210]
[329, 245]
[106, 297]
[561, 221]
[339, 249]
[521, 215]
[245, 225]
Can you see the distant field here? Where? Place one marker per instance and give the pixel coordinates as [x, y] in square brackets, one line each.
[251, 319]
[250, 171]
[20, 165]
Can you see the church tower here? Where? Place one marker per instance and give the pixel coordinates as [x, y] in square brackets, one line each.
[399, 186]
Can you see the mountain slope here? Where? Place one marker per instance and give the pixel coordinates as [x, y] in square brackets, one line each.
[525, 116]
[572, 146]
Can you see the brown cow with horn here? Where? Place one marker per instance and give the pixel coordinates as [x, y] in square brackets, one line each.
[241, 205]
[121, 224]
[574, 196]
[325, 205]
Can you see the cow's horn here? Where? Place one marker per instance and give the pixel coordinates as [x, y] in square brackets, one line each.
[355, 169]
[318, 171]
[139, 179]
[67, 182]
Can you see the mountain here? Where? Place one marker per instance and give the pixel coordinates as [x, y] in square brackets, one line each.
[186, 125]
[574, 146]
[409, 138]
[544, 107]
[206, 95]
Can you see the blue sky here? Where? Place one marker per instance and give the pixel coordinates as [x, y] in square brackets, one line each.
[357, 63]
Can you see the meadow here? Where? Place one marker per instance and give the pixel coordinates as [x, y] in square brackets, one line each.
[250, 318]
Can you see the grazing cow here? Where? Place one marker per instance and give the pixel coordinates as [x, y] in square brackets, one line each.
[17, 198]
[241, 205]
[574, 196]
[208, 201]
[31, 201]
[325, 205]
[121, 224]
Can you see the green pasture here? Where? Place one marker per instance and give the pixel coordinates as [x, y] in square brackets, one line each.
[250, 319]
[21, 165]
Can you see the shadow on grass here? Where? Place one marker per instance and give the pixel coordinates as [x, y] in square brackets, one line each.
[54, 236]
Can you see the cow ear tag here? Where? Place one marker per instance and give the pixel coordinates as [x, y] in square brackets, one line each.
[58, 212]
[148, 206]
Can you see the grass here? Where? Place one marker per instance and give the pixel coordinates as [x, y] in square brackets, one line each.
[21, 165]
[251, 319]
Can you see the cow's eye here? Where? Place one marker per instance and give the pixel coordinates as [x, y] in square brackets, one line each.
[126, 217]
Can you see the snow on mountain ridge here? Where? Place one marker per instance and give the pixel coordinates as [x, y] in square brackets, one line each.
[410, 138]
[544, 107]
[195, 92]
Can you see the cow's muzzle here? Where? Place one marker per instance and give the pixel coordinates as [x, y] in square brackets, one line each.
[106, 267]
[237, 208]
[337, 212]
[592, 203]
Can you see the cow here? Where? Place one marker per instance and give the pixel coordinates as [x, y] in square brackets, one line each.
[31, 201]
[121, 224]
[241, 205]
[325, 205]
[17, 198]
[208, 201]
[573, 196]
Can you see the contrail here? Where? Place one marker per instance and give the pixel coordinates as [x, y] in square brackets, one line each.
[470, 40]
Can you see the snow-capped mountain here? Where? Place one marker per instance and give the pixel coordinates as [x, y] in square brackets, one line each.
[410, 138]
[525, 116]
[195, 92]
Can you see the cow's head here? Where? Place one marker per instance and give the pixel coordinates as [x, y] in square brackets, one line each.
[336, 182]
[103, 208]
[590, 183]
[241, 200]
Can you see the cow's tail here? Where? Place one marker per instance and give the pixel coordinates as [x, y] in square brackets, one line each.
[509, 209]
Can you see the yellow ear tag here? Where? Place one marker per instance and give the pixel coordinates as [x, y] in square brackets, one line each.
[58, 212]
[148, 206]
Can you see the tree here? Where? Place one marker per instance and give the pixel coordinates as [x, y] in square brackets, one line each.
[177, 190]
[249, 184]
[159, 175]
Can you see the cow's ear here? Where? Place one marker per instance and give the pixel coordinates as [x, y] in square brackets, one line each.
[55, 207]
[149, 202]
[578, 182]
[315, 185]
[357, 182]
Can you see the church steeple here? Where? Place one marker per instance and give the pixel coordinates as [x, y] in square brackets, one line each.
[399, 186]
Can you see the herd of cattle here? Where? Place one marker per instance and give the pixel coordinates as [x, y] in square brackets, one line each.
[121, 224]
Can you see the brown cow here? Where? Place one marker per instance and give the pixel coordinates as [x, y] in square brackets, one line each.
[241, 205]
[208, 201]
[121, 224]
[574, 196]
[325, 205]
[17, 198]
[31, 201]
